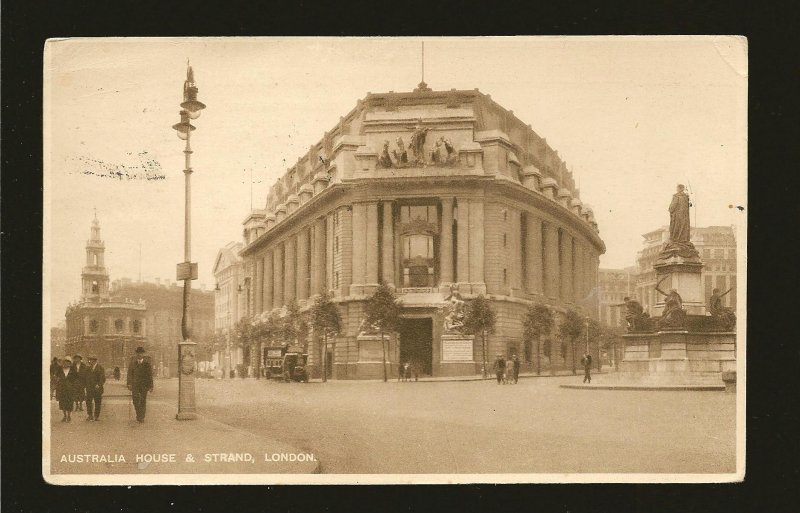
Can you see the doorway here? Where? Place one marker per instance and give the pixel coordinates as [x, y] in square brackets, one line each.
[416, 343]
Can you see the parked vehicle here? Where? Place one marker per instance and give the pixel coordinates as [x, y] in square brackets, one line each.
[286, 363]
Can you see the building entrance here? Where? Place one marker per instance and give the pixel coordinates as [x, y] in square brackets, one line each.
[416, 343]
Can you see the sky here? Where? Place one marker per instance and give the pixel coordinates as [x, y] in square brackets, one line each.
[631, 116]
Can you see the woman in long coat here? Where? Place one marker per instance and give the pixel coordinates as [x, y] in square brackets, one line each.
[67, 385]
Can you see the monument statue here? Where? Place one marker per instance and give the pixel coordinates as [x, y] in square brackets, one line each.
[634, 314]
[679, 243]
[673, 316]
[366, 328]
[384, 160]
[400, 156]
[418, 142]
[454, 320]
[724, 315]
[679, 216]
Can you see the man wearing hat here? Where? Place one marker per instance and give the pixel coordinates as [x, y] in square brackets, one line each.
[95, 379]
[80, 387]
[500, 368]
[140, 381]
[66, 385]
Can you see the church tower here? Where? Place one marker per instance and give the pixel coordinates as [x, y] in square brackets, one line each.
[95, 274]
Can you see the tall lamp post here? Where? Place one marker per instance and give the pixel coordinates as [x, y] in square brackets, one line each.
[187, 270]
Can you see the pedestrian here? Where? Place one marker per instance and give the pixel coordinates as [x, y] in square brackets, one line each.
[117, 373]
[55, 368]
[500, 368]
[515, 367]
[66, 386]
[95, 379]
[140, 382]
[401, 372]
[406, 371]
[80, 393]
[586, 361]
[415, 369]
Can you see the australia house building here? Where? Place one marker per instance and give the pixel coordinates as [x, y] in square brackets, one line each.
[443, 195]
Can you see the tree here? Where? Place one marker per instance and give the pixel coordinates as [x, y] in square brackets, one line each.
[572, 328]
[480, 318]
[265, 327]
[538, 323]
[383, 312]
[243, 333]
[325, 319]
[294, 325]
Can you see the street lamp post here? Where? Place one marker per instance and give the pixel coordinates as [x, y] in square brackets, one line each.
[187, 271]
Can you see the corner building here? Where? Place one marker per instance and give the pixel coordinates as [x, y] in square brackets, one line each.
[431, 192]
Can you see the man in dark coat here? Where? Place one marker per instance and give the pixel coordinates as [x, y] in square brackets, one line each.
[500, 368]
[80, 391]
[586, 361]
[95, 379]
[55, 369]
[140, 382]
[516, 363]
[67, 384]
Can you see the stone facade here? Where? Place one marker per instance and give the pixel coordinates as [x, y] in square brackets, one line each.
[425, 191]
[614, 286]
[109, 327]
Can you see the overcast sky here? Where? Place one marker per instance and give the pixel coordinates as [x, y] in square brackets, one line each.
[632, 117]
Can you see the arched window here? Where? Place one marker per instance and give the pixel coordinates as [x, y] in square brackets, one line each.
[95, 287]
[93, 326]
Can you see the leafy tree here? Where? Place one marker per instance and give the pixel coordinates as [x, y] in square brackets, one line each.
[383, 312]
[538, 323]
[572, 329]
[325, 319]
[265, 328]
[480, 318]
[294, 326]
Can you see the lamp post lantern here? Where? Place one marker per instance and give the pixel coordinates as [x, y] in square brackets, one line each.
[187, 270]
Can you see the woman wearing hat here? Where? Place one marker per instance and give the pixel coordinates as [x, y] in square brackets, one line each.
[67, 384]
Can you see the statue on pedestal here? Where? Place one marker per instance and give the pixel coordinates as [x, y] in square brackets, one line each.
[454, 320]
[400, 156]
[723, 315]
[417, 143]
[384, 160]
[679, 235]
[674, 316]
[634, 314]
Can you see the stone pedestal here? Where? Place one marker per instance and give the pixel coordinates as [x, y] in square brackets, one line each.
[370, 356]
[680, 267]
[677, 357]
[187, 365]
[457, 355]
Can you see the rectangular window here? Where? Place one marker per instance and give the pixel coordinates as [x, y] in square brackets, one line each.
[505, 276]
[504, 240]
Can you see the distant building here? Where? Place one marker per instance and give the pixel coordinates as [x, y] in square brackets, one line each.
[614, 286]
[717, 248]
[164, 310]
[58, 338]
[230, 300]
[109, 327]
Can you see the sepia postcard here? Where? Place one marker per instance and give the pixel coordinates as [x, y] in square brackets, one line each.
[394, 260]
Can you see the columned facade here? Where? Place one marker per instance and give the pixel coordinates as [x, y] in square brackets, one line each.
[440, 209]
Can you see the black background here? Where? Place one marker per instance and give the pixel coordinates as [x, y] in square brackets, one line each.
[773, 343]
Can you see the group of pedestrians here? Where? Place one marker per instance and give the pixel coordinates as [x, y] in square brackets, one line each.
[507, 372]
[406, 370]
[74, 383]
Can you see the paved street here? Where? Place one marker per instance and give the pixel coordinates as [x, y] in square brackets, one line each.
[478, 426]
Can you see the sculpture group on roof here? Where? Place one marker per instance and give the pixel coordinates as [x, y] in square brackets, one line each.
[443, 153]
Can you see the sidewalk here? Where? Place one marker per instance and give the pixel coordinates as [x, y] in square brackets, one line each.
[163, 445]
[476, 377]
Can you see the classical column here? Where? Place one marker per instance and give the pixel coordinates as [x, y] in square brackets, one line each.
[387, 245]
[269, 274]
[533, 254]
[371, 249]
[259, 284]
[566, 266]
[290, 270]
[552, 272]
[446, 242]
[359, 243]
[329, 252]
[303, 269]
[277, 277]
[580, 275]
[462, 256]
[318, 263]
[476, 246]
[515, 250]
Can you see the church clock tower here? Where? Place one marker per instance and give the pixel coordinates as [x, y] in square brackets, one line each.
[95, 274]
